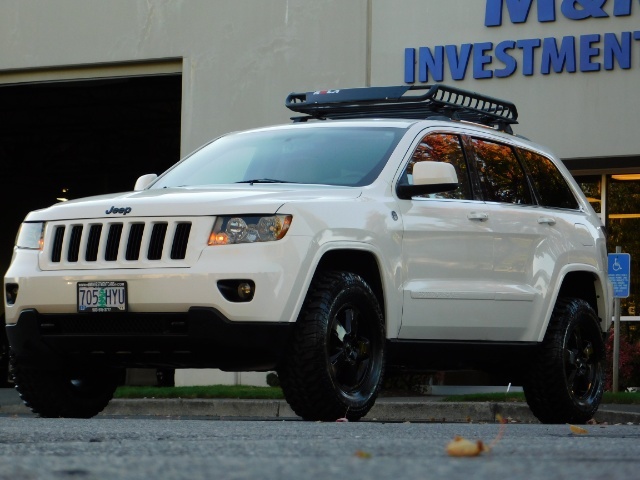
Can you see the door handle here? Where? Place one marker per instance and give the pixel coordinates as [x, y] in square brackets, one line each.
[547, 220]
[478, 216]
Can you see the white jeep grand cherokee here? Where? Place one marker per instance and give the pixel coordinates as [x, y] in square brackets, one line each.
[402, 228]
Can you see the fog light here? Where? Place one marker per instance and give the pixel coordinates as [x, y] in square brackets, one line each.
[245, 291]
[11, 290]
[239, 290]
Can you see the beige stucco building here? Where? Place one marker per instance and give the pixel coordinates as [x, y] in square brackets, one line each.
[94, 93]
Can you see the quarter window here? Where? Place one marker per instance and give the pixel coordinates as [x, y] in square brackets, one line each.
[442, 147]
[501, 176]
[552, 188]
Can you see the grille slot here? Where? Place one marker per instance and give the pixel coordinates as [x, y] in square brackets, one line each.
[180, 240]
[140, 243]
[74, 243]
[56, 249]
[91, 254]
[135, 240]
[113, 242]
[115, 324]
[156, 243]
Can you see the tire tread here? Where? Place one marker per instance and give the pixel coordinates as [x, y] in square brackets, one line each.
[49, 395]
[545, 387]
[303, 376]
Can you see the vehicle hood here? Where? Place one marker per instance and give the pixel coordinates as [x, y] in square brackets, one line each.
[186, 201]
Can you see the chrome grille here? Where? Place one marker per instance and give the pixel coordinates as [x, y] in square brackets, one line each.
[130, 243]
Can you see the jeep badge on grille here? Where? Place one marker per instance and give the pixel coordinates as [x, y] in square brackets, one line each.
[122, 210]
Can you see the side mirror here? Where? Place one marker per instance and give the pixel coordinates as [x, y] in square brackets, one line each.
[430, 177]
[144, 181]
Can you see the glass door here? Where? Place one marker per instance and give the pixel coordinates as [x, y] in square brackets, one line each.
[617, 199]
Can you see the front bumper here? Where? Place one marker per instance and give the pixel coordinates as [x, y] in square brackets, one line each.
[200, 338]
[277, 269]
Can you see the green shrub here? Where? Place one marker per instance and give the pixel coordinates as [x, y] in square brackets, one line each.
[628, 363]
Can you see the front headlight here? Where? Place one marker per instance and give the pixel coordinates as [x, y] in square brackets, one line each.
[30, 235]
[249, 229]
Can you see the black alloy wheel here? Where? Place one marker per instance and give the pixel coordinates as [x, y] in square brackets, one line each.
[565, 382]
[349, 350]
[582, 365]
[335, 362]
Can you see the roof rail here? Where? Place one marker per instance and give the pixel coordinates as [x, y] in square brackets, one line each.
[391, 102]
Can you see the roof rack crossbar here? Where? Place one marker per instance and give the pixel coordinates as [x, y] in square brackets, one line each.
[393, 102]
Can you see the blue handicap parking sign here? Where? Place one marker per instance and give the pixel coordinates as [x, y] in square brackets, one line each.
[620, 274]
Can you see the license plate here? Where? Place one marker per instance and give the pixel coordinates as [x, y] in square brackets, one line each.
[102, 297]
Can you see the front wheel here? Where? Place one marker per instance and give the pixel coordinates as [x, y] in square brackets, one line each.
[335, 362]
[566, 381]
[60, 393]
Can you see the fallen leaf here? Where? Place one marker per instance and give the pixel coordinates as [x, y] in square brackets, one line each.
[578, 430]
[461, 447]
[362, 454]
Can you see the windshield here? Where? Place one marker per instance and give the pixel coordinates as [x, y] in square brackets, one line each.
[349, 156]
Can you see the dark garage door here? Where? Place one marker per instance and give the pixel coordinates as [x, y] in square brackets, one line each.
[80, 138]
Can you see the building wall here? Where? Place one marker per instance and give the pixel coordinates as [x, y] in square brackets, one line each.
[239, 58]
[581, 114]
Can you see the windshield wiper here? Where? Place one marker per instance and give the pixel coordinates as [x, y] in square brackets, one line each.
[263, 180]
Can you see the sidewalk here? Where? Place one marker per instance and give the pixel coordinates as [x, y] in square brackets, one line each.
[396, 409]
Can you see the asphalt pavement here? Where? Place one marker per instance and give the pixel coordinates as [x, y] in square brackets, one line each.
[426, 408]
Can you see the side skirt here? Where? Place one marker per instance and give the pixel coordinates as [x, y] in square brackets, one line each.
[509, 359]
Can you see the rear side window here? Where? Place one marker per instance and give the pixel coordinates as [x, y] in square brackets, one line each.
[501, 176]
[552, 188]
[442, 147]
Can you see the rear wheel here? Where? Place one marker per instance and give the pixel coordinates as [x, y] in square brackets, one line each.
[335, 363]
[566, 380]
[59, 393]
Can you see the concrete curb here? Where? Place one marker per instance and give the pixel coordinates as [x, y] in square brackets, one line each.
[388, 410]
[384, 410]
[220, 408]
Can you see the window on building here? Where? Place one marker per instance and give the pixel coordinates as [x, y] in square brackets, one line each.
[592, 188]
[617, 199]
[623, 225]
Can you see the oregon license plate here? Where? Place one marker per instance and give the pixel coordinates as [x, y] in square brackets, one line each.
[102, 297]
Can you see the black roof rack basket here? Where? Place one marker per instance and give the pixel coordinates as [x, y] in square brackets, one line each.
[392, 102]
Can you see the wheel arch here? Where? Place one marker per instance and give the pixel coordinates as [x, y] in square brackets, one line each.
[360, 262]
[588, 286]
